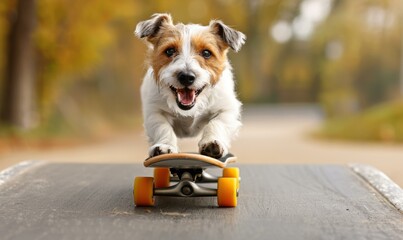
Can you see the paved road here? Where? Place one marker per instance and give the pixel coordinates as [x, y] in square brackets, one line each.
[95, 201]
[270, 135]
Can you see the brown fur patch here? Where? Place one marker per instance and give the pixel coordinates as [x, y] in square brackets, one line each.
[216, 63]
[168, 37]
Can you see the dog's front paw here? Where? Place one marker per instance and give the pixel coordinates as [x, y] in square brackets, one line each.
[159, 149]
[213, 149]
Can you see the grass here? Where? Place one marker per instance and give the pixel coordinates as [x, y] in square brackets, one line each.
[382, 123]
[57, 132]
[48, 136]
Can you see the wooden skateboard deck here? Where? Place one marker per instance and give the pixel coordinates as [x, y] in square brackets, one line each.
[188, 160]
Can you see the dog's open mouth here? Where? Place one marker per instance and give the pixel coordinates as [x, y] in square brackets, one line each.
[186, 97]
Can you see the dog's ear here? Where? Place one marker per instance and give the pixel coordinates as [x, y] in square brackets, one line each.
[233, 38]
[151, 27]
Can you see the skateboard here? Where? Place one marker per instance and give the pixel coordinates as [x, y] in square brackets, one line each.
[184, 175]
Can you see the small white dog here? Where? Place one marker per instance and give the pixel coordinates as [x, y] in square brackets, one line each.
[188, 88]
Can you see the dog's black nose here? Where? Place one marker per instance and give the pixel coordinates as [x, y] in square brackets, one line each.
[186, 78]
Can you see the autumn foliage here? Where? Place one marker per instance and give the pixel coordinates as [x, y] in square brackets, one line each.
[88, 66]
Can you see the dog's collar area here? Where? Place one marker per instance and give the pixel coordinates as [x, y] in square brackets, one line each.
[186, 97]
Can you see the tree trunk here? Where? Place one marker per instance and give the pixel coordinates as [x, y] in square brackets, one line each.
[19, 102]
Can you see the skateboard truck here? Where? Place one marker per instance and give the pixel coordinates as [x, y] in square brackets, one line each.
[199, 177]
[187, 186]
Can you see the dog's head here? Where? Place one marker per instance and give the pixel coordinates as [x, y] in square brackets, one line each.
[187, 60]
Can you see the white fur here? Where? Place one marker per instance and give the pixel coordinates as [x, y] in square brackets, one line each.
[215, 115]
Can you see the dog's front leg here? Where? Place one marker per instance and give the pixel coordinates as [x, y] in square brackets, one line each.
[217, 134]
[161, 135]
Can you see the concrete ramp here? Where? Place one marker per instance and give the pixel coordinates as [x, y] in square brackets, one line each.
[94, 201]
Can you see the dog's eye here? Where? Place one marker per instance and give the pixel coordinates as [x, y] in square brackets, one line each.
[170, 52]
[206, 54]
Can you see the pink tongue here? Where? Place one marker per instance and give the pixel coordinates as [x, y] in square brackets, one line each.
[186, 96]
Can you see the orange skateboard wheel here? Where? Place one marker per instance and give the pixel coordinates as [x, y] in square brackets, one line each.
[232, 172]
[143, 191]
[162, 177]
[227, 192]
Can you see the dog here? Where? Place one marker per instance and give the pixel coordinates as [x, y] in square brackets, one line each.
[188, 89]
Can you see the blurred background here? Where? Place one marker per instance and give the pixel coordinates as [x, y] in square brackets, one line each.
[321, 80]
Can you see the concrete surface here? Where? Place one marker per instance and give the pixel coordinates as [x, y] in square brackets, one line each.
[94, 201]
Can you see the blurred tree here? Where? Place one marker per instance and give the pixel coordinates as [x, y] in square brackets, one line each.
[357, 48]
[19, 105]
[260, 15]
[5, 11]
[69, 41]
[71, 38]
[86, 54]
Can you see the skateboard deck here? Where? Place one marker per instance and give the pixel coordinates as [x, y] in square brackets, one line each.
[188, 160]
